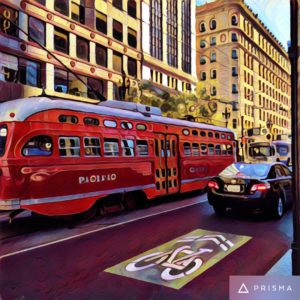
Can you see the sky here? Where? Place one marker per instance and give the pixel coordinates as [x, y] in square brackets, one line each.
[275, 14]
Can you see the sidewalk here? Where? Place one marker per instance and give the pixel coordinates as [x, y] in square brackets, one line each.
[283, 267]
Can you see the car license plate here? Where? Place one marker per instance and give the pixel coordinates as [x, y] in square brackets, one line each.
[233, 188]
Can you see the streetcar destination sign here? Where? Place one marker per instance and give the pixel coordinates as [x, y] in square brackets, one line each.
[177, 262]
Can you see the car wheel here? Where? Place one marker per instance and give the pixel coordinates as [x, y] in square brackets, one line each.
[219, 209]
[278, 207]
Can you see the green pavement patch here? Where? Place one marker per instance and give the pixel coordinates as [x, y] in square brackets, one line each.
[177, 262]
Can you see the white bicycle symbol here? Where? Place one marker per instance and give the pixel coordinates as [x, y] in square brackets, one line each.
[181, 261]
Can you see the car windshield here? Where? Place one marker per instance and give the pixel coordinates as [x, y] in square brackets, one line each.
[246, 170]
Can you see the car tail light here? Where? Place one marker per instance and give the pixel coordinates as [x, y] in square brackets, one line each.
[213, 185]
[260, 187]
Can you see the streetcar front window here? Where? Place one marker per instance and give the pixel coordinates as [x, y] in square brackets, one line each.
[3, 138]
[40, 145]
[283, 150]
[260, 151]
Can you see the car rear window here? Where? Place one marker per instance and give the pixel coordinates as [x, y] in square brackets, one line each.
[248, 170]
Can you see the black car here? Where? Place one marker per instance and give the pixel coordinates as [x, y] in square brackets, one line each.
[265, 186]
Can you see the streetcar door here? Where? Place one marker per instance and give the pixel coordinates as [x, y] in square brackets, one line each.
[172, 164]
[160, 165]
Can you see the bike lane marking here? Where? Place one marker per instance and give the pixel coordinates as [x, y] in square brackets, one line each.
[177, 262]
[97, 230]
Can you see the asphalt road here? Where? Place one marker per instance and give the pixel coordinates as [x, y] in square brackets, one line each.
[72, 266]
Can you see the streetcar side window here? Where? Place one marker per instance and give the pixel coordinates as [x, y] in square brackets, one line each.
[185, 132]
[68, 119]
[194, 132]
[111, 147]
[110, 123]
[91, 121]
[187, 149]
[69, 146]
[203, 149]
[91, 146]
[223, 149]
[218, 149]
[3, 138]
[203, 133]
[141, 127]
[217, 135]
[195, 149]
[211, 149]
[210, 134]
[40, 145]
[142, 148]
[126, 125]
[127, 147]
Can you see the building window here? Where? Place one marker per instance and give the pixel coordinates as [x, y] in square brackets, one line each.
[203, 76]
[132, 37]
[101, 56]
[202, 44]
[61, 40]
[172, 32]
[132, 67]
[7, 24]
[77, 12]
[234, 89]
[234, 20]
[98, 86]
[131, 7]
[60, 81]
[234, 123]
[29, 72]
[156, 29]
[186, 36]
[213, 41]
[213, 91]
[213, 57]
[234, 54]
[213, 74]
[202, 60]
[234, 71]
[36, 31]
[117, 30]
[117, 61]
[118, 4]
[202, 27]
[62, 6]
[234, 37]
[101, 22]
[82, 48]
[213, 24]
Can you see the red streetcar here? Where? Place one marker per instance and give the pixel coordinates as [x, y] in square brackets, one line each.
[59, 157]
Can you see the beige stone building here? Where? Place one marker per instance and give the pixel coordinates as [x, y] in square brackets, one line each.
[243, 66]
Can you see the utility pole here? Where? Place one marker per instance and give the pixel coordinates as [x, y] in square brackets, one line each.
[293, 54]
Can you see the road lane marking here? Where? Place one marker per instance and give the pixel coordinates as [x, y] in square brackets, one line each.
[97, 230]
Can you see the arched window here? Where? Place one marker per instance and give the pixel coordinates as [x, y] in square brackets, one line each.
[203, 76]
[234, 20]
[213, 74]
[213, 57]
[131, 7]
[202, 27]
[234, 37]
[202, 44]
[202, 60]
[213, 24]
[234, 54]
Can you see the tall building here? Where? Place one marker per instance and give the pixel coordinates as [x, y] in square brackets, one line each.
[98, 40]
[241, 64]
[168, 43]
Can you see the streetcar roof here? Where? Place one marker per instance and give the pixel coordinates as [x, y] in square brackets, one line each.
[26, 107]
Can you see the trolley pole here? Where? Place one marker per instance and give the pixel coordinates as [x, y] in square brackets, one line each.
[293, 54]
